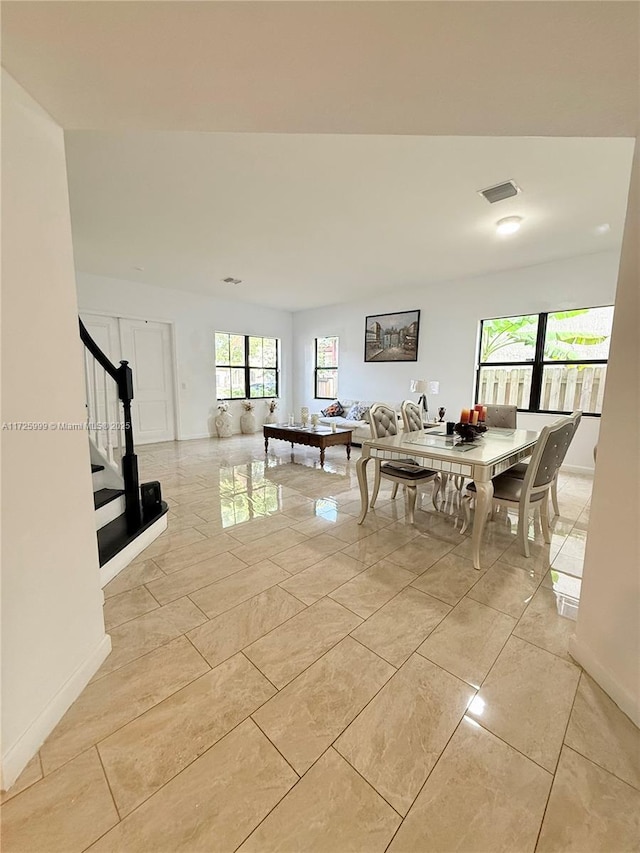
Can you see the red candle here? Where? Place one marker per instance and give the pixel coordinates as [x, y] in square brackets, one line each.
[477, 407]
[484, 414]
[474, 417]
[464, 416]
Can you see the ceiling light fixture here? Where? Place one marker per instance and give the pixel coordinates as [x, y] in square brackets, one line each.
[508, 225]
[230, 280]
[603, 229]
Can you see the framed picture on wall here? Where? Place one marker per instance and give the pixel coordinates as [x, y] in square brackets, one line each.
[392, 337]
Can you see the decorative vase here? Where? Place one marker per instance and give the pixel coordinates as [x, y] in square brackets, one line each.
[223, 424]
[441, 413]
[315, 418]
[248, 423]
[304, 415]
[271, 418]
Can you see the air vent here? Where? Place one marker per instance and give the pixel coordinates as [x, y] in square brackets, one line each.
[500, 191]
[230, 280]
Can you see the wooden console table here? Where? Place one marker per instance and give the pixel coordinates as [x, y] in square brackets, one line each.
[321, 438]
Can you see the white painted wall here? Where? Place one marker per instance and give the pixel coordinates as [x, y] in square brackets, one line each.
[449, 327]
[195, 319]
[53, 635]
[607, 638]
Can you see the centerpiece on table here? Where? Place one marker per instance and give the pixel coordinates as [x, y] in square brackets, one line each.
[471, 424]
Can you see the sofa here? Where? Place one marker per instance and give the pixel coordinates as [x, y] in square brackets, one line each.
[360, 427]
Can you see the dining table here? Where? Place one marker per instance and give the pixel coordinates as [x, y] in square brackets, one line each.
[492, 453]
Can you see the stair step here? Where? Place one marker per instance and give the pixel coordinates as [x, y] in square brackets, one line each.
[114, 536]
[105, 496]
[96, 468]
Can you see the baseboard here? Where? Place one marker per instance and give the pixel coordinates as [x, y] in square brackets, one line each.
[195, 436]
[18, 756]
[626, 701]
[579, 469]
[130, 552]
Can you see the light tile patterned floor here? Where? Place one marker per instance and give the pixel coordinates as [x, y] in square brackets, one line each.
[284, 679]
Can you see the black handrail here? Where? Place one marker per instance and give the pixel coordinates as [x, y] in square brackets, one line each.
[123, 377]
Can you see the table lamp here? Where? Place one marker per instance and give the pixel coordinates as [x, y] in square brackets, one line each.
[422, 386]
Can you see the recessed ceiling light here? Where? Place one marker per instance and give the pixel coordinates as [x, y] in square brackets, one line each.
[508, 225]
[230, 280]
[603, 229]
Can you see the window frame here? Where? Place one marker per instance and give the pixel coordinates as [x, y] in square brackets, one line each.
[317, 368]
[538, 363]
[247, 367]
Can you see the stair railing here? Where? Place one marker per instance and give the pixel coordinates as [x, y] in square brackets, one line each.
[107, 424]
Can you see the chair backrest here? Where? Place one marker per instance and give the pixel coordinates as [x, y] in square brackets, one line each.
[411, 416]
[383, 421]
[575, 419]
[551, 448]
[504, 417]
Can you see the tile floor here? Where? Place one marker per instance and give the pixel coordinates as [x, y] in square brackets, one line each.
[283, 679]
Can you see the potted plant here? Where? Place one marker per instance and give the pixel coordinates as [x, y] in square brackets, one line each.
[223, 420]
[271, 417]
[247, 419]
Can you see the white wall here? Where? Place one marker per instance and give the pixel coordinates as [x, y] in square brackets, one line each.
[195, 319]
[449, 326]
[607, 638]
[53, 635]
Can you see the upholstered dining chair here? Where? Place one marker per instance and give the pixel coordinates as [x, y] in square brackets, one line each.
[532, 492]
[503, 417]
[412, 422]
[520, 469]
[401, 472]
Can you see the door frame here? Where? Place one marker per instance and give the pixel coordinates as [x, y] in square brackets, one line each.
[172, 355]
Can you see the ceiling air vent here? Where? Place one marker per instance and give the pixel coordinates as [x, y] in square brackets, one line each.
[500, 192]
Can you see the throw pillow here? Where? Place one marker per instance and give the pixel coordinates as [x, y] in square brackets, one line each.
[357, 412]
[335, 410]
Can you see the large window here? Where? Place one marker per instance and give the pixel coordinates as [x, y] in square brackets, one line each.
[551, 362]
[246, 366]
[326, 368]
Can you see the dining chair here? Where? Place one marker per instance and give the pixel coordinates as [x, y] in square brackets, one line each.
[503, 417]
[520, 469]
[401, 472]
[531, 492]
[412, 422]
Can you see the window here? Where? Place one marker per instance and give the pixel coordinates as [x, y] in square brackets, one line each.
[326, 368]
[245, 363]
[551, 362]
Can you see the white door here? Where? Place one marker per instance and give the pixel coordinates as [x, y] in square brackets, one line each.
[102, 392]
[146, 345]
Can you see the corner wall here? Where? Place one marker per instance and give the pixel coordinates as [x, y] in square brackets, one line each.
[53, 637]
[607, 638]
[450, 315]
[195, 319]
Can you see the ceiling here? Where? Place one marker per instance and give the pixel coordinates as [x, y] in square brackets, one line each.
[309, 220]
[323, 151]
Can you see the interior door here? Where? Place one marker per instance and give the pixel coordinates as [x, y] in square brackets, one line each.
[146, 345]
[102, 393]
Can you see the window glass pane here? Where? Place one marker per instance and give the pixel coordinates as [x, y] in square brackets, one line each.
[270, 386]
[270, 352]
[255, 352]
[222, 348]
[327, 384]
[238, 388]
[223, 382]
[256, 382]
[509, 339]
[567, 387]
[505, 386]
[236, 344]
[578, 335]
[327, 352]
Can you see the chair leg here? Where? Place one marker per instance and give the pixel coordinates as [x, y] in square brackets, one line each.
[554, 496]
[394, 491]
[376, 483]
[437, 485]
[459, 482]
[523, 528]
[544, 518]
[412, 493]
[466, 506]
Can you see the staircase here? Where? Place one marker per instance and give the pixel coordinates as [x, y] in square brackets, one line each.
[123, 528]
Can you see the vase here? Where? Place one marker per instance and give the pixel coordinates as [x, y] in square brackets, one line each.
[271, 418]
[304, 415]
[248, 423]
[314, 421]
[223, 424]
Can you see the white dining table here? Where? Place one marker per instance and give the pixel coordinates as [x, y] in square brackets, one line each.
[494, 452]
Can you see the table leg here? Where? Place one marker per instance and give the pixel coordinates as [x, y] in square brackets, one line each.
[349, 451]
[361, 471]
[484, 502]
[266, 445]
[322, 457]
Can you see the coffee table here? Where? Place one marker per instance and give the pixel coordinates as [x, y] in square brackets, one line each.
[297, 434]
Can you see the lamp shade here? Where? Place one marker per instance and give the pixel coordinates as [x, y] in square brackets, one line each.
[418, 386]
